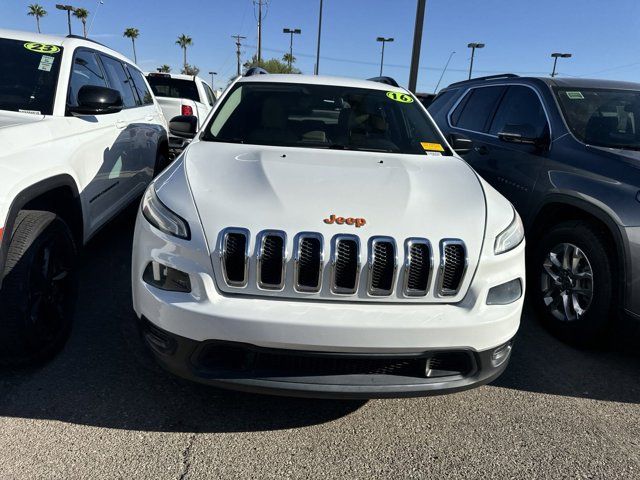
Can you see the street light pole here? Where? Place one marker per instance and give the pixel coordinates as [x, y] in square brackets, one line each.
[417, 43]
[473, 47]
[292, 32]
[317, 69]
[100, 2]
[212, 74]
[555, 57]
[383, 40]
[69, 9]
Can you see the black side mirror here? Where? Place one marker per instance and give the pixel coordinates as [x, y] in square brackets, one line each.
[522, 134]
[460, 143]
[183, 126]
[94, 100]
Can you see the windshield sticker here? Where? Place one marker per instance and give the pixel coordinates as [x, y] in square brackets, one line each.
[46, 63]
[432, 147]
[575, 95]
[400, 97]
[32, 112]
[434, 154]
[41, 47]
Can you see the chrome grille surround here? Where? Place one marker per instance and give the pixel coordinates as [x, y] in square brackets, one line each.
[261, 245]
[223, 250]
[376, 246]
[336, 258]
[410, 263]
[443, 291]
[298, 245]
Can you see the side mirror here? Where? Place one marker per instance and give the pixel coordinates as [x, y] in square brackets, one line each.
[460, 143]
[522, 134]
[94, 100]
[183, 126]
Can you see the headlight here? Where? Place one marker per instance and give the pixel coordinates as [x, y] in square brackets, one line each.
[158, 215]
[511, 237]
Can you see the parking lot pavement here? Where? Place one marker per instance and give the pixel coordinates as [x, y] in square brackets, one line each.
[102, 409]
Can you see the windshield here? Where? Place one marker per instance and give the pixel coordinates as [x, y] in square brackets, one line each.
[603, 117]
[321, 116]
[165, 86]
[29, 76]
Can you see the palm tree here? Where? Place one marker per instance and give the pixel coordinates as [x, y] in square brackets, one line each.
[37, 11]
[184, 41]
[164, 68]
[82, 14]
[132, 33]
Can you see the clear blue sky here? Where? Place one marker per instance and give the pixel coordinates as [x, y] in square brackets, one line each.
[602, 35]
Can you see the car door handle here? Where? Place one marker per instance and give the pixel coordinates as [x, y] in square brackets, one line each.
[482, 150]
[121, 124]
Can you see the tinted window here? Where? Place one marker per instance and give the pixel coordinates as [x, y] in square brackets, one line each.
[29, 78]
[140, 86]
[119, 79]
[210, 96]
[322, 116]
[165, 86]
[521, 107]
[85, 71]
[440, 101]
[475, 111]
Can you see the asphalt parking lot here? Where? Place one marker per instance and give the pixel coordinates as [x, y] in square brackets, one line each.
[102, 409]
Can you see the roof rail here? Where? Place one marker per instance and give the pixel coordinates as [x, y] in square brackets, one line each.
[255, 71]
[488, 77]
[80, 37]
[385, 80]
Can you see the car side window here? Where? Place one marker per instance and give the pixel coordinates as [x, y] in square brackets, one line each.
[140, 86]
[520, 107]
[85, 71]
[119, 80]
[476, 108]
[210, 96]
[440, 101]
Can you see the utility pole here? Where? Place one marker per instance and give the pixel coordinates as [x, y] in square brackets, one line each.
[238, 45]
[259, 2]
[317, 69]
[69, 9]
[555, 61]
[417, 44]
[383, 40]
[292, 32]
[212, 74]
[473, 47]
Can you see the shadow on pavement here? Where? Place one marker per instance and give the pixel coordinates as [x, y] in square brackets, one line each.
[105, 378]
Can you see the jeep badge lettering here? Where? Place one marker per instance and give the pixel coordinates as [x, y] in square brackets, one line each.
[358, 222]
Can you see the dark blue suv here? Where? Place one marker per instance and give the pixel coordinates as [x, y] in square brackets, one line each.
[566, 152]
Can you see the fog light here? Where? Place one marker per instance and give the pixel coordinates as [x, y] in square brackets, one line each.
[166, 278]
[501, 354]
[506, 293]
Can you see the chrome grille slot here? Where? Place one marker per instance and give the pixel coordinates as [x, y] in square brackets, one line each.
[308, 261]
[234, 256]
[345, 264]
[382, 266]
[418, 267]
[271, 259]
[453, 265]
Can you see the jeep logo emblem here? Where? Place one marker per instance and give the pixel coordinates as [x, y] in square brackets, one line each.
[358, 222]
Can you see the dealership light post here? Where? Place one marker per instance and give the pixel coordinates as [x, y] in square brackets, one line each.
[417, 44]
[473, 47]
[212, 74]
[69, 9]
[555, 57]
[292, 32]
[383, 40]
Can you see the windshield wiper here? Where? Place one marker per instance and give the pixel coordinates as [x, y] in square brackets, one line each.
[339, 146]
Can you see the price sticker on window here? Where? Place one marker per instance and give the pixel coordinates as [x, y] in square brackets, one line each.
[400, 97]
[41, 47]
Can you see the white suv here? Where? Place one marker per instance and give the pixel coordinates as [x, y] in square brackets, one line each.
[319, 237]
[81, 138]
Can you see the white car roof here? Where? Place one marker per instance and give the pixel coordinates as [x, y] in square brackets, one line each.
[178, 76]
[61, 41]
[321, 80]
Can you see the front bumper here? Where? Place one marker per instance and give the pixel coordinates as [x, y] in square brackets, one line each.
[254, 369]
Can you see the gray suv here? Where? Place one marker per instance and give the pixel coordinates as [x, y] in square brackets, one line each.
[566, 152]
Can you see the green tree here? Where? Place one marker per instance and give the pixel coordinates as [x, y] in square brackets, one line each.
[38, 11]
[184, 41]
[272, 66]
[132, 33]
[164, 68]
[190, 70]
[289, 59]
[82, 14]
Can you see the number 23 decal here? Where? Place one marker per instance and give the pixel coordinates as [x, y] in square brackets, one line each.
[400, 97]
[41, 47]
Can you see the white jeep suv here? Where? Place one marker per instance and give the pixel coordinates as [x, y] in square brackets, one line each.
[81, 137]
[319, 237]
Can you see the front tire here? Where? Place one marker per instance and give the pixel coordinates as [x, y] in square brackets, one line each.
[572, 284]
[38, 293]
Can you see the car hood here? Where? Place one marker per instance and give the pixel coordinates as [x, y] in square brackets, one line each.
[296, 189]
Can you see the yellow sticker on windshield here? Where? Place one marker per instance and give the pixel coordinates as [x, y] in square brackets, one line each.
[432, 147]
[41, 47]
[400, 97]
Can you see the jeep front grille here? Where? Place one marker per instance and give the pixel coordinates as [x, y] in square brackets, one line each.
[269, 266]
